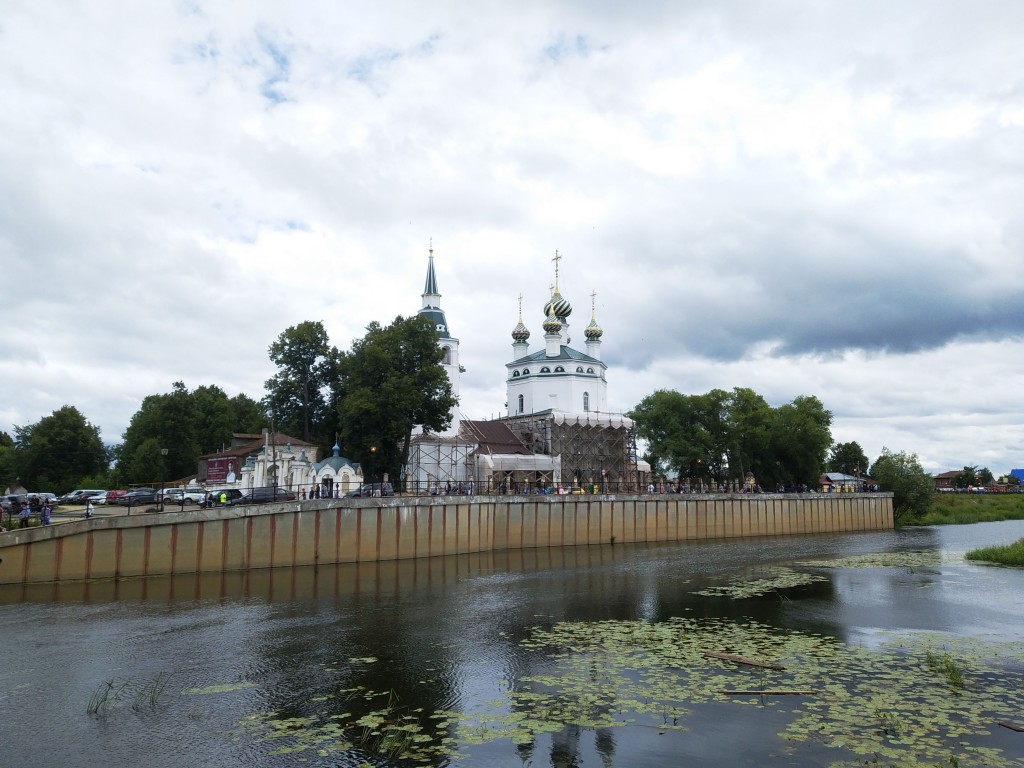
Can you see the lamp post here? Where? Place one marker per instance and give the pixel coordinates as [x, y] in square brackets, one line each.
[373, 460]
[163, 474]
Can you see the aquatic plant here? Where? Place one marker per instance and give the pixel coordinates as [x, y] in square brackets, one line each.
[1006, 554]
[882, 704]
[775, 579]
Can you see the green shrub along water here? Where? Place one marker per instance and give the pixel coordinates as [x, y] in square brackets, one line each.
[962, 508]
[1007, 554]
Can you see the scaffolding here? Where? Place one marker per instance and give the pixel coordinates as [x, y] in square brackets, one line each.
[438, 464]
[597, 450]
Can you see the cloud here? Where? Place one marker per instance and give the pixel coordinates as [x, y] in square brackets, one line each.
[804, 200]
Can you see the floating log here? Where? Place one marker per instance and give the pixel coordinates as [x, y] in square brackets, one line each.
[783, 692]
[1013, 727]
[743, 660]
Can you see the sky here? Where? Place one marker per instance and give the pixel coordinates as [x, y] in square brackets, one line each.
[800, 198]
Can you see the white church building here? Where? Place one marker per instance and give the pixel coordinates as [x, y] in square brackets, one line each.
[557, 432]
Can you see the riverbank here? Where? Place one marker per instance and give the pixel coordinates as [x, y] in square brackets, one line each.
[965, 508]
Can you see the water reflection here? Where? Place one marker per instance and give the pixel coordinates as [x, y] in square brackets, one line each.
[438, 634]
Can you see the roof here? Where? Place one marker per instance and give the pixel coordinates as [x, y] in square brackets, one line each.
[494, 437]
[564, 353]
[254, 446]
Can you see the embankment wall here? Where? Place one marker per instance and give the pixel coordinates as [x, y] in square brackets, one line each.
[358, 530]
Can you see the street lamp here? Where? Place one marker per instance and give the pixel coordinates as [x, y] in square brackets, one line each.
[163, 474]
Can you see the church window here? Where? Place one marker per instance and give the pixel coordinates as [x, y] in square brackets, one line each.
[514, 374]
[447, 359]
[526, 371]
[586, 401]
[590, 370]
[545, 369]
[520, 404]
[559, 369]
[579, 369]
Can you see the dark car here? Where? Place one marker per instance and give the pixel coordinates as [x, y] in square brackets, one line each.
[264, 496]
[138, 496]
[372, 489]
[222, 497]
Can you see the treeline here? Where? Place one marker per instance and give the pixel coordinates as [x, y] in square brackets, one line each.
[723, 435]
[369, 397]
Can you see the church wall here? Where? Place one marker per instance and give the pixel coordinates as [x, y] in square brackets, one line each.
[376, 530]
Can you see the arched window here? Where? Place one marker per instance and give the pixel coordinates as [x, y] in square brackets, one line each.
[545, 369]
[590, 370]
[579, 369]
[514, 374]
[447, 359]
[586, 401]
[526, 371]
[520, 404]
[559, 369]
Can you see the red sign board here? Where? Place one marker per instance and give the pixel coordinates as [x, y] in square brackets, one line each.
[221, 470]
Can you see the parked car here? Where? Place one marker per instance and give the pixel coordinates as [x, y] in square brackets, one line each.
[113, 496]
[12, 502]
[221, 497]
[264, 496]
[99, 498]
[135, 496]
[78, 496]
[372, 489]
[184, 496]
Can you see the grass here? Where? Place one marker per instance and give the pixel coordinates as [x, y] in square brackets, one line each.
[944, 664]
[1006, 554]
[962, 508]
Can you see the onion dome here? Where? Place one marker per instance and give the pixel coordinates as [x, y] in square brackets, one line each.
[593, 331]
[559, 306]
[520, 333]
[552, 324]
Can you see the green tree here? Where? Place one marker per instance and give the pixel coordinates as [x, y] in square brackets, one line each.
[56, 452]
[970, 477]
[848, 458]
[800, 441]
[913, 489]
[669, 422]
[751, 422]
[390, 381]
[215, 419]
[172, 420]
[147, 464]
[248, 415]
[297, 394]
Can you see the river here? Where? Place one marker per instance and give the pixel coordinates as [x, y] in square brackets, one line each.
[894, 648]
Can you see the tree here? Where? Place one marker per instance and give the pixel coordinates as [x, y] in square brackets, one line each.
[188, 425]
[723, 435]
[971, 477]
[751, 422]
[848, 458]
[248, 415]
[913, 489]
[296, 394]
[390, 381]
[669, 423]
[800, 441]
[56, 452]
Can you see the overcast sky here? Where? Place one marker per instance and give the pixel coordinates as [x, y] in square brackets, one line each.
[801, 198]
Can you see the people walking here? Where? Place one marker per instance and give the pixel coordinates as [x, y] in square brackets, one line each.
[44, 514]
[88, 509]
[25, 514]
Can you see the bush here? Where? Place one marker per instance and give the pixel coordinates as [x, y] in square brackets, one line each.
[913, 489]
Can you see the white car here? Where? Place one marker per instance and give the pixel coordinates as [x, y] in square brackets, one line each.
[188, 495]
[96, 498]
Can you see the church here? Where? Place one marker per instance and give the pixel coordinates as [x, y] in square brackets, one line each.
[557, 433]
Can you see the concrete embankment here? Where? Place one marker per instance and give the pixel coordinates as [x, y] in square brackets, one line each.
[358, 530]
